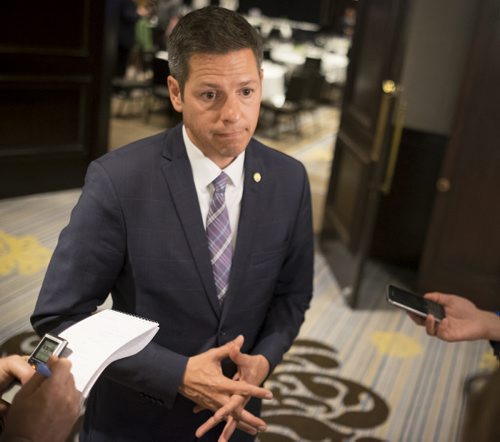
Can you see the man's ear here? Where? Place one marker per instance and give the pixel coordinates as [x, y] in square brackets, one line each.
[175, 93]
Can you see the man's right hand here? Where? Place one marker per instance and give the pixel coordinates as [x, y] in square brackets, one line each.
[205, 384]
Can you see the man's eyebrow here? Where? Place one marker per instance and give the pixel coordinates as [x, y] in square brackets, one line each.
[218, 86]
[212, 85]
[247, 82]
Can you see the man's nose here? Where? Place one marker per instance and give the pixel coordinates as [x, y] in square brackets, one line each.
[231, 110]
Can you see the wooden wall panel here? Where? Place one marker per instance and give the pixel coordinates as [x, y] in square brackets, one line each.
[55, 86]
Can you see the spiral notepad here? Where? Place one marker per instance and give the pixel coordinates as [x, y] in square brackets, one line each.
[102, 338]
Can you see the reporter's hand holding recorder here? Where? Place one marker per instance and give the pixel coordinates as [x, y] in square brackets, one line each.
[45, 408]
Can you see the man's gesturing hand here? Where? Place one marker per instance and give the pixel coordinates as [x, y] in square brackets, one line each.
[251, 369]
[205, 384]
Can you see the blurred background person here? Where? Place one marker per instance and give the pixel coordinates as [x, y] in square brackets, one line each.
[483, 409]
[127, 16]
[168, 13]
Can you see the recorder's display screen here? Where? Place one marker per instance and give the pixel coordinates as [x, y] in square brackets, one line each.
[45, 350]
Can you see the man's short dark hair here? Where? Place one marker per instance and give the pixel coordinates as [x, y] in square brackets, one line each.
[209, 30]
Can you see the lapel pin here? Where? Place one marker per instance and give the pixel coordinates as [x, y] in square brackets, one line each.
[257, 177]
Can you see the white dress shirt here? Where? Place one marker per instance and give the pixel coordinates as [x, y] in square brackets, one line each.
[205, 171]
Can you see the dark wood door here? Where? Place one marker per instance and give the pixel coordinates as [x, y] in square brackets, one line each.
[54, 93]
[361, 149]
[462, 249]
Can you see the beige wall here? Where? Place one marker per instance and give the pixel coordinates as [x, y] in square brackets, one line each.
[439, 37]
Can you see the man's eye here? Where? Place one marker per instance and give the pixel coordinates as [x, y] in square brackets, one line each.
[209, 95]
[247, 92]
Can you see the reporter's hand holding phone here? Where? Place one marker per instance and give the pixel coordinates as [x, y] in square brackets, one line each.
[463, 321]
[45, 409]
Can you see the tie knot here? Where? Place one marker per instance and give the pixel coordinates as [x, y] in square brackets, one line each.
[220, 182]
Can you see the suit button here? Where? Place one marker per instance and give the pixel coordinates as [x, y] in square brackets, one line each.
[222, 333]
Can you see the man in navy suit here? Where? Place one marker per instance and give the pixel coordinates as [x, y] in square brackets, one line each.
[138, 232]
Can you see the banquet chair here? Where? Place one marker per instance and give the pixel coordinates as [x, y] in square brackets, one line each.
[289, 110]
[302, 94]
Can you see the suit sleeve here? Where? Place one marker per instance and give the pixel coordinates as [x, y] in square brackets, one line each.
[89, 257]
[293, 290]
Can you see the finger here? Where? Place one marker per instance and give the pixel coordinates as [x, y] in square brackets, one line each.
[438, 297]
[445, 332]
[245, 389]
[251, 420]
[224, 350]
[237, 356]
[430, 325]
[416, 318]
[61, 370]
[235, 403]
[247, 428]
[32, 385]
[235, 408]
[37, 379]
[207, 426]
[229, 430]
[17, 367]
[242, 425]
[198, 408]
[238, 342]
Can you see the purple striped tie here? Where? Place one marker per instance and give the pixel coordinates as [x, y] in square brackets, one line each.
[219, 237]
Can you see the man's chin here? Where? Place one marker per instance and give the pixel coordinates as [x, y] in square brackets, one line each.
[233, 149]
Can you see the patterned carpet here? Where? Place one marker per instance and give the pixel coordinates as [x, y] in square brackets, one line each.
[368, 375]
[353, 375]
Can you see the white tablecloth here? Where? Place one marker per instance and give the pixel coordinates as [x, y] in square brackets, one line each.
[273, 84]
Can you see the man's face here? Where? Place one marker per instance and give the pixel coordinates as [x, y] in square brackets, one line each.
[220, 103]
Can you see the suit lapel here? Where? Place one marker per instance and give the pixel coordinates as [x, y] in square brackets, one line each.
[252, 191]
[179, 177]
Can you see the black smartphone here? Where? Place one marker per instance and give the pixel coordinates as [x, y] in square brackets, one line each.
[414, 303]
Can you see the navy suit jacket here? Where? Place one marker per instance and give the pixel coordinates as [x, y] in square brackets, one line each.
[137, 233]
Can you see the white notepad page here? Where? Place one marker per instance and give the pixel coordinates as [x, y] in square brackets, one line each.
[102, 338]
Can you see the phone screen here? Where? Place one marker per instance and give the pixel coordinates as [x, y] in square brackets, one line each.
[414, 303]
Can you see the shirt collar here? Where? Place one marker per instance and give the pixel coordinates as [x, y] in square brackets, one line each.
[205, 170]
